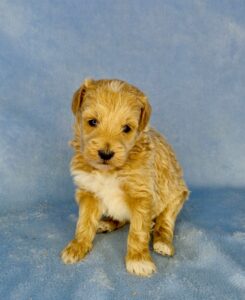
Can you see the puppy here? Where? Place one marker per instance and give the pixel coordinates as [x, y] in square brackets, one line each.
[124, 171]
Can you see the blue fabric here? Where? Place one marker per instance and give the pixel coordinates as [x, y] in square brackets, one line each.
[209, 261]
[188, 57]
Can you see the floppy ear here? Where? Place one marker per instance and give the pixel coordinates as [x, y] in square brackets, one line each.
[145, 113]
[78, 96]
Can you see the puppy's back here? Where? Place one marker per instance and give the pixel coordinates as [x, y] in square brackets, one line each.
[167, 173]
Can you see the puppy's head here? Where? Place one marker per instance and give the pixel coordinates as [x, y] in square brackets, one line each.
[110, 115]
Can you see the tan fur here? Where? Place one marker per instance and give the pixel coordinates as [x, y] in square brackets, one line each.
[107, 224]
[141, 184]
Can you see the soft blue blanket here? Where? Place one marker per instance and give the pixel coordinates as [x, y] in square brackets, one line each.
[209, 261]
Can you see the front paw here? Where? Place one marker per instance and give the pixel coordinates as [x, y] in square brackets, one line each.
[74, 252]
[141, 266]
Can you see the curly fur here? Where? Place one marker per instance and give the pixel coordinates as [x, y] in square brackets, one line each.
[141, 184]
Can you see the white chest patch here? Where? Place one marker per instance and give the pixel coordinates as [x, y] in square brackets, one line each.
[107, 189]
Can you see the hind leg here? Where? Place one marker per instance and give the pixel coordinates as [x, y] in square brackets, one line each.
[164, 228]
[108, 225]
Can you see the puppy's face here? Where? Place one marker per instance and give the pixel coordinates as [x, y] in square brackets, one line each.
[110, 114]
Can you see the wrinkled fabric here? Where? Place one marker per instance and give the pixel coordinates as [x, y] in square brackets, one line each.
[208, 264]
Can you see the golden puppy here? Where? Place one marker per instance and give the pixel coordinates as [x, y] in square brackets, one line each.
[124, 171]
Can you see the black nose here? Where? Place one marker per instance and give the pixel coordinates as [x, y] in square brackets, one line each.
[106, 155]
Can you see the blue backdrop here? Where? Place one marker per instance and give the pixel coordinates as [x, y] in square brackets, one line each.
[189, 58]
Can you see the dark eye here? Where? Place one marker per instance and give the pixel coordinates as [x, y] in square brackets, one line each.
[126, 129]
[93, 123]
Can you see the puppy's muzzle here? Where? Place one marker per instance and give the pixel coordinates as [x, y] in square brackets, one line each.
[106, 155]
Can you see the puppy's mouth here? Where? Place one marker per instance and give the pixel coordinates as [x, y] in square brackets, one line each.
[102, 165]
[105, 164]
